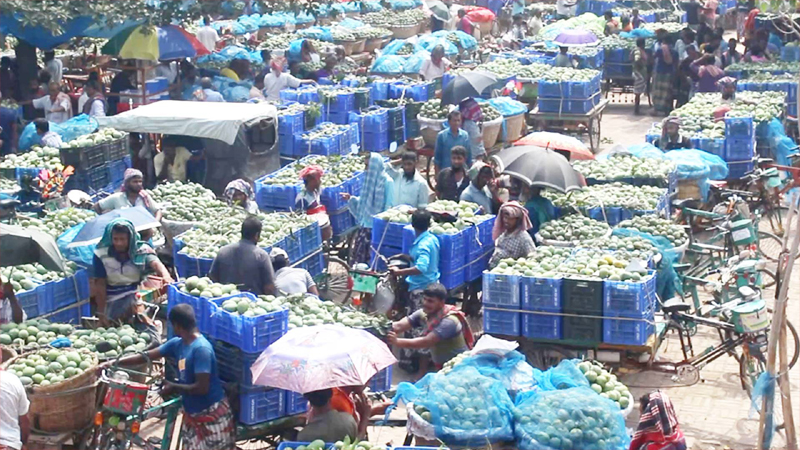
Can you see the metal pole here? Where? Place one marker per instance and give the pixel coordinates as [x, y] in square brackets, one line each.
[777, 327]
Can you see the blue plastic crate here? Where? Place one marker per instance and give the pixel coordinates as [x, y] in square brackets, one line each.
[609, 215]
[738, 169]
[375, 142]
[617, 70]
[29, 301]
[617, 55]
[288, 95]
[500, 322]
[790, 53]
[501, 290]
[200, 306]
[71, 315]
[550, 89]
[116, 170]
[295, 404]
[251, 334]
[343, 103]
[581, 106]
[69, 290]
[578, 89]
[452, 280]
[310, 239]
[326, 146]
[341, 221]
[629, 299]
[380, 90]
[286, 145]
[381, 381]
[233, 364]
[273, 197]
[452, 251]
[541, 326]
[315, 264]
[331, 196]
[289, 124]
[624, 331]
[188, 266]
[713, 146]
[478, 264]
[387, 234]
[739, 128]
[740, 149]
[540, 293]
[308, 95]
[259, 404]
[373, 120]
[292, 245]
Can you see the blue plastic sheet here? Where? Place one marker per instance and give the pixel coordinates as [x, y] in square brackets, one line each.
[637, 33]
[765, 387]
[397, 44]
[351, 23]
[667, 282]
[414, 62]
[429, 42]
[508, 107]
[510, 369]
[318, 33]
[388, 64]
[83, 255]
[39, 36]
[698, 165]
[70, 130]
[468, 42]
[565, 375]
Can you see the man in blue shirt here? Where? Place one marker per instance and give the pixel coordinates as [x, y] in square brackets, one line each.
[449, 138]
[207, 420]
[425, 255]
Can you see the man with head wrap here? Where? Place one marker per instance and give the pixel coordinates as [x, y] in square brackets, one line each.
[511, 239]
[130, 194]
[435, 66]
[276, 81]
[671, 137]
[308, 199]
[240, 193]
[480, 187]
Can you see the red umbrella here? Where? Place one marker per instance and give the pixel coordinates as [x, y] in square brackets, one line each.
[556, 141]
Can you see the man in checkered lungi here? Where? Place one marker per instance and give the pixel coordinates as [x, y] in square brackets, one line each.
[207, 419]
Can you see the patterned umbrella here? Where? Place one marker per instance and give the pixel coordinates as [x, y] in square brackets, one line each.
[154, 43]
[309, 359]
[556, 141]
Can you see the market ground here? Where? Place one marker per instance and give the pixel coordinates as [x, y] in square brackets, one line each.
[714, 413]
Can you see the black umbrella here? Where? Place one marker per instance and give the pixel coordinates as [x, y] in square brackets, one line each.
[467, 85]
[20, 245]
[539, 167]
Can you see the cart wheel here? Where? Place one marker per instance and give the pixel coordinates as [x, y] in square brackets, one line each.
[335, 284]
[543, 356]
[430, 176]
[594, 134]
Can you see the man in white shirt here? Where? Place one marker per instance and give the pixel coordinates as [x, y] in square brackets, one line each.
[276, 81]
[53, 66]
[57, 105]
[409, 186]
[14, 424]
[435, 66]
[170, 163]
[565, 8]
[209, 94]
[95, 105]
[535, 23]
[166, 69]
[207, 35]
[290, 280]
[48, 138]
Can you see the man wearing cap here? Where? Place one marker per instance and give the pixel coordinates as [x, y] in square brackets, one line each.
[290, 280]
[276, 81]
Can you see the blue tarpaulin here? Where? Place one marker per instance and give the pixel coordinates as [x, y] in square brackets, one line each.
[39, 36]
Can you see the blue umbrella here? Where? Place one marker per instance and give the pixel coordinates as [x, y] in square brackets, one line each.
[93, 230]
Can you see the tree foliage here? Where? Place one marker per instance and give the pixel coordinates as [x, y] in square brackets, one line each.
[53, 14]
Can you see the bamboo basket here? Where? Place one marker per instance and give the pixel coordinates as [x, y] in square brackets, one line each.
[8, 354]
[66, 406]
[429, 129]
[491, 131]
[348, 46]
[404, 31]
[514, 126]
[688, 189]
[359, 46]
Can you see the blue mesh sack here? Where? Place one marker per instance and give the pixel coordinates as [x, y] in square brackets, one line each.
[388, 64]
[429, 42]
[464, 407]
[667, 282]
[414, 62]
[564, 376]
[511, 369]
[351, 23]
[318, 33]
[575, 418]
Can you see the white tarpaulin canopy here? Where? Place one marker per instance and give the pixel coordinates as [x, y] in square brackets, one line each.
[213, 120]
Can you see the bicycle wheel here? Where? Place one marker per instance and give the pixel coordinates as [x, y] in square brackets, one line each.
[768, 279]
[773, 219]
[769, 245]
[335, 284]
[750, 367]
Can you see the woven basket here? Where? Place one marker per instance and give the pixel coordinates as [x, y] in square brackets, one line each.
[514, 126]
[8, 354]
[348, 46]
[491, 131]
[372, 44]
[429, 129]
[404, 31]
[359, 46]
[688, 189]
[66, 406]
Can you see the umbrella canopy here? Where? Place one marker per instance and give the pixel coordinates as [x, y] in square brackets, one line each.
[539, 167]
[470, 84]
[154, 43]
[93, 230]
[325, 356]
[575, 38]
[556, 141]
[20, 245]
[439, 10]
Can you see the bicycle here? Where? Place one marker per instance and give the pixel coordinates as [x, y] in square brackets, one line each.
[126, 405]
[745, 328]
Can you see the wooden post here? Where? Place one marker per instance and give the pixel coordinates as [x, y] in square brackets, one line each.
[786, 391]
[777, 330]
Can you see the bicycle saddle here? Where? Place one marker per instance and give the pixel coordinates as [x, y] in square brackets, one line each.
[9, 203]
[686, 202]
[674, 305]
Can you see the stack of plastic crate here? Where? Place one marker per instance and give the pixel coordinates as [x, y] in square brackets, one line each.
[740, 145]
